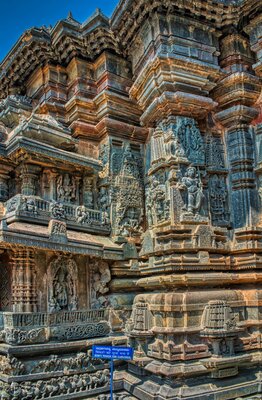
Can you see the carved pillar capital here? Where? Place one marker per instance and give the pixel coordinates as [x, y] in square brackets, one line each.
[238, 116]
[28, 174]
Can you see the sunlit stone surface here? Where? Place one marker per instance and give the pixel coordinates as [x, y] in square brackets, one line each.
[130, 204]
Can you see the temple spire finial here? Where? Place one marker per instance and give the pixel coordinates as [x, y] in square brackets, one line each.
[70, 15]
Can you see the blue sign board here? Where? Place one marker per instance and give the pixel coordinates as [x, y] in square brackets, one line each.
[112, 352]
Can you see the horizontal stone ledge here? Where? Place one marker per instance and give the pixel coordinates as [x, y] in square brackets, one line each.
[198, 279]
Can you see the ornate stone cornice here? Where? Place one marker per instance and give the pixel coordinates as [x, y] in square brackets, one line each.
[40, 46]
[129, 15]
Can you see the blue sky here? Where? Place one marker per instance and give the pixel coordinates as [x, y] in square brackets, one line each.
[18, 15]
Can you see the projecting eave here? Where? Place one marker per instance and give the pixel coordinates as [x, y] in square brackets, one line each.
[68, 39]
[38, 237]
[32, 34]
[215, 12]
[46, 152]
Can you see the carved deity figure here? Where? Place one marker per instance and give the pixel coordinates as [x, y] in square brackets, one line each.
[127, 192]
[103, 202]
[82, 215]
[157, 204]
[131, 222]
[66, 188]
[88, 192]
[62, 273]
[218, 198]
[57, 210]
[60, 289]
[173, 145]
[192, 185]
[29, 205]
[129, 163]
[101, 276]
[158, 197]
[149, 207]
[103, 199]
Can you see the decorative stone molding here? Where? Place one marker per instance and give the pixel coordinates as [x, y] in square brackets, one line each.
[31, 328]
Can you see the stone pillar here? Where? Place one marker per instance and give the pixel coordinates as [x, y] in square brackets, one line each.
[24, 296]
[5, 283]
[53, 188]
[88, 195]
[29, 175]
[236, 94]
[254, 30]
[4, 177]
[240, 153]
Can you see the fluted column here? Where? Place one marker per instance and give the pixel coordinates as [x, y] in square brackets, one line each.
[24, 296]
[236, 94]
[240, 153]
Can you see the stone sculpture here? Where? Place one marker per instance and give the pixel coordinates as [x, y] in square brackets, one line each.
[62, 278]
[130, 203]
[192, 185]
[66, 188]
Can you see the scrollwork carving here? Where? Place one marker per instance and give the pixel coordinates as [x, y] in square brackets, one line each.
[17, 336]
[81, 331]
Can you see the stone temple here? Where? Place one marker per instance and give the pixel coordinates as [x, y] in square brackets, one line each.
[131, 204]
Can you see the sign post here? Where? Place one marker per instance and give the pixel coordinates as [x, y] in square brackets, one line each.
[111, 378]
[112, 353]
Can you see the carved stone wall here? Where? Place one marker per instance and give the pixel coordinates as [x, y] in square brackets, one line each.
[131, 203]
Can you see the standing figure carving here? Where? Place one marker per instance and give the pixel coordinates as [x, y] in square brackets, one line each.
[66, 188]
[101, 276]
[218, 199]
[192, 185]
[157, 204]
[103, 202]
[62, 284]
[158, 197]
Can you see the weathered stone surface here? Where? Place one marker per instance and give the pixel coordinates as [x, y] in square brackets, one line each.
[131, 203]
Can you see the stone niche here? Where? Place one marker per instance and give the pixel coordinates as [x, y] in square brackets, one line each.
[59, 286]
